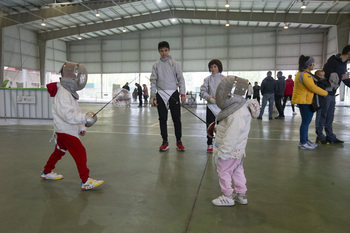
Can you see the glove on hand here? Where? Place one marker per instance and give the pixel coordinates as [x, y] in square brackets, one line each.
[153, 100]
[212, 100]
[89, 119]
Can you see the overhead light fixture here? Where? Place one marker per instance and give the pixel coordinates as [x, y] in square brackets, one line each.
[79, 37]
[124, 30]
[227, 5]
[43, 23]
[159, 1]
[285, 26]
[227, 24]
[173, 20]
[97, 14]
[303, 6]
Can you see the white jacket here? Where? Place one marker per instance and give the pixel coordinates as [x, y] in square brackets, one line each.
[67, 117]
[232, 135]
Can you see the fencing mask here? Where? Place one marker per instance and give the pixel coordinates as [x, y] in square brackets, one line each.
[74, 77]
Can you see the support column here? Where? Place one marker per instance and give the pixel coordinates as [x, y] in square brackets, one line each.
[1, 59]
[42, 61]
[343, 35]
[343, 40]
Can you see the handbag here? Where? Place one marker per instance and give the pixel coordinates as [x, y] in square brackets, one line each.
[316, 105]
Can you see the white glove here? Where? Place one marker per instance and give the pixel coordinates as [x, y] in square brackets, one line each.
[153, 100]
[212, 100]
[89, 119]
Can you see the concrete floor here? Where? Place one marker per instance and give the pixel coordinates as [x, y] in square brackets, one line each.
[289, 190]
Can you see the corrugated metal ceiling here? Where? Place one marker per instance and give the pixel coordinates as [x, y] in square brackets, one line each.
[66, 20]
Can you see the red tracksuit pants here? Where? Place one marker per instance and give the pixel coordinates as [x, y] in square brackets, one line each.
[75, 148]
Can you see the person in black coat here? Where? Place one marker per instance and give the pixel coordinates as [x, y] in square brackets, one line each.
[139, 93]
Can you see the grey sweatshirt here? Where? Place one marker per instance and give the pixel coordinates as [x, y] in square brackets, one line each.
[167, 75]
[208, 88]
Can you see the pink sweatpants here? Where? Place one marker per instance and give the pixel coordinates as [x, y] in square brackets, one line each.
[76, 149]
[227, 172]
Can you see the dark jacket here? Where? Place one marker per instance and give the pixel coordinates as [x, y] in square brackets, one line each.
[268, 85]
[280, 86]
[256, 91]
[335, 64]
[139, 90]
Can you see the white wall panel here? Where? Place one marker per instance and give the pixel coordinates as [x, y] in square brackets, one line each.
[93, 68]
[241, 39]
[217, 53]
[20, 48]
[192, 45]
[190, 54]
[217, 41]
[194, 42]
[332, 45]
[288, 50]
[149, 43]
[192, 30]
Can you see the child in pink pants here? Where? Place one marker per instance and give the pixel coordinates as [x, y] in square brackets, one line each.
[230, 142]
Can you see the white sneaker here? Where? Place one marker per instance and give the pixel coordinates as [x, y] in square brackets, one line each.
[51, 176]
[294, 113]
[306, 146]
[90, 184]
[311, 144]
[223, 201]
[241, 199]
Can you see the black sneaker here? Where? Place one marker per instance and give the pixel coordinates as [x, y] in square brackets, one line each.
[324, 141]
[338, 141]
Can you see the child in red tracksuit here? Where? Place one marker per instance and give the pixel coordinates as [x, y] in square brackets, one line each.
[69, 123]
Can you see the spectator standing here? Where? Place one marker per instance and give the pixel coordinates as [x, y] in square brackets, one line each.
[250, 91]
[145, 93]
[288, 93]
[268, 88]
[126, 86]
[335, 64]
[139, 93]
[303, 93]
[280, 86]
[256, 92]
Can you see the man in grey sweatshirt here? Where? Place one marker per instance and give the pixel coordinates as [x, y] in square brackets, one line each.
[166, 78]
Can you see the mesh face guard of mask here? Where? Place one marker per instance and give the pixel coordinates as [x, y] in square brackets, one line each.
[240, 86]
[77, 72]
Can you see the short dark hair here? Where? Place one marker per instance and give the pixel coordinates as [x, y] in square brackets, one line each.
[163, 44]
[346, 49]
[269, 73]
[215, 62]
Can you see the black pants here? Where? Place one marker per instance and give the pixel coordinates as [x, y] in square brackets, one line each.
[175, 110]
[210, 118]
[278, 99]
[285, 101]
[140, 100]
[257, 98]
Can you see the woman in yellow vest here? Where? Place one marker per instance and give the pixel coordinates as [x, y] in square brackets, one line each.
[303, 93]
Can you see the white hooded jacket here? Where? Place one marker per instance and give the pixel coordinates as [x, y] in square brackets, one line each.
[67, 117]
[232, 134]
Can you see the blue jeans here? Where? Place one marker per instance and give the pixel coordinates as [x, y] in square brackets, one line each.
[306, 117]
[326, 119]
[270, 98]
